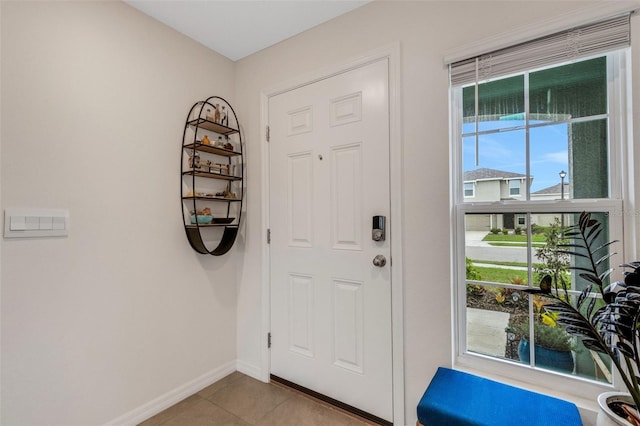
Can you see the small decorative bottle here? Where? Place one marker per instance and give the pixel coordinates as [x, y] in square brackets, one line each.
[194, 161]
[228, 145]
[216, 114]
[224, 120]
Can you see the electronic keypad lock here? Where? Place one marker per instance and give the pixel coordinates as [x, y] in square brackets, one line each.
[378, 228]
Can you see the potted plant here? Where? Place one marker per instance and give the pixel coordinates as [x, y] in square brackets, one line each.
[609, 325]
[552, 347]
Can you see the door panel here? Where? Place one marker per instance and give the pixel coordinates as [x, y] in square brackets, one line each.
[348, 325]
[301, 314]
[300, 181]
[346, 197]
[329, 175]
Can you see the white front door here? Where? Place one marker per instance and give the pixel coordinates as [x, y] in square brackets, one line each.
[329, 176]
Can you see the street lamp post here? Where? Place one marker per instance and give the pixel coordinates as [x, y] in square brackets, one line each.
[563, 175]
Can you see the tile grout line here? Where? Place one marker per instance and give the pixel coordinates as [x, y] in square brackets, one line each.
[221, 407]
[247, 422]
[229, 412]
[289, 396]
[326, 404]
[179, 411]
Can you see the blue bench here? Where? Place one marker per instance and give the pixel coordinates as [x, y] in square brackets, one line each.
[455, 398]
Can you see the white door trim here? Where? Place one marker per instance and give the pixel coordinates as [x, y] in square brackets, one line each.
[392, 53]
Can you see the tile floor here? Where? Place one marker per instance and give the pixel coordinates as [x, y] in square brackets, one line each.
[239, 400]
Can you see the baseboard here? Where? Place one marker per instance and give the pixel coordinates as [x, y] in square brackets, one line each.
[251, 370]
[172, 397]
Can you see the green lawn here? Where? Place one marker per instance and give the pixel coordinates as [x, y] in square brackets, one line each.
[501, 263]
[505, 244]
[501, 275]
[536, 238]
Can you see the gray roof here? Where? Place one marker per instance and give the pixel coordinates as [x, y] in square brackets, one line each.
[485, 174]
[555, 189]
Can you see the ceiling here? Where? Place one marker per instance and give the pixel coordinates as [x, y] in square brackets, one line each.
[238, 28]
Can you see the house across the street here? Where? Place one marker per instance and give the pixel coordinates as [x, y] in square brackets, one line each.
[484, 184]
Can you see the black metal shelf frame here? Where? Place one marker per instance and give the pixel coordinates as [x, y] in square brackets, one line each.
[205, 198]
[193, 231]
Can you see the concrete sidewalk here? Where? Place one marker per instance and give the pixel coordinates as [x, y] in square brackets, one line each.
[485, 331]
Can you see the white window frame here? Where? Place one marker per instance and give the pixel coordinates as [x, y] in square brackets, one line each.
[519, 187]
[473, 190]
[620, 196]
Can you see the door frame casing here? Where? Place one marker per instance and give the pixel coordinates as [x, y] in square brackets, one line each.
[390, 52]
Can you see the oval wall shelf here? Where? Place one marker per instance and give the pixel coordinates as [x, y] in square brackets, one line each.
[212, 176]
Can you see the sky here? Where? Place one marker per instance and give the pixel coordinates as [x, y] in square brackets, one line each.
[506, 150]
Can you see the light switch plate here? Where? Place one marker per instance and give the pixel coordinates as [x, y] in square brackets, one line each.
[36, 223]
[17, 223]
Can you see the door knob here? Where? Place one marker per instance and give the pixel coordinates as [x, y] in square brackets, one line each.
[379, 261]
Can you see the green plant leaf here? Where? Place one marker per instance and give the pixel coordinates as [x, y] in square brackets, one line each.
[583, 296]
[604, 258]
[593, 234]
[592, 305]
[593, 345]
[606, 326]
[595, 228]
[584, 217]
[605, 245]
[573, 253]
[592, 278]
[605, 274]
[626, 350]
[571, 245]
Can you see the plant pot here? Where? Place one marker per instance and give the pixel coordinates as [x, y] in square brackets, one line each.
[549, 358]
[606, 416]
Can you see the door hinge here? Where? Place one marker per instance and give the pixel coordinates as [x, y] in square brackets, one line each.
[269, 236]
[268, 134]
[268, 340]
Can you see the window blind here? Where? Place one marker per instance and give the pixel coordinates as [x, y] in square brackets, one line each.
[565, 46]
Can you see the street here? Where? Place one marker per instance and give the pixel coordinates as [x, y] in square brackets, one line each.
[480, 251]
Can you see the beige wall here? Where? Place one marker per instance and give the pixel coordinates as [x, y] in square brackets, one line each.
[426, 31]
[122, 311]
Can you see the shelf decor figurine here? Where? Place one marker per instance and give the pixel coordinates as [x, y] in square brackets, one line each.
[217, 114]
[228, 145]
[194, 161]
[223, 117]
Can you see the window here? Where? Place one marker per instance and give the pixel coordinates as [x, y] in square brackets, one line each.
[554, 132]
[514, 187]
[469, 189]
